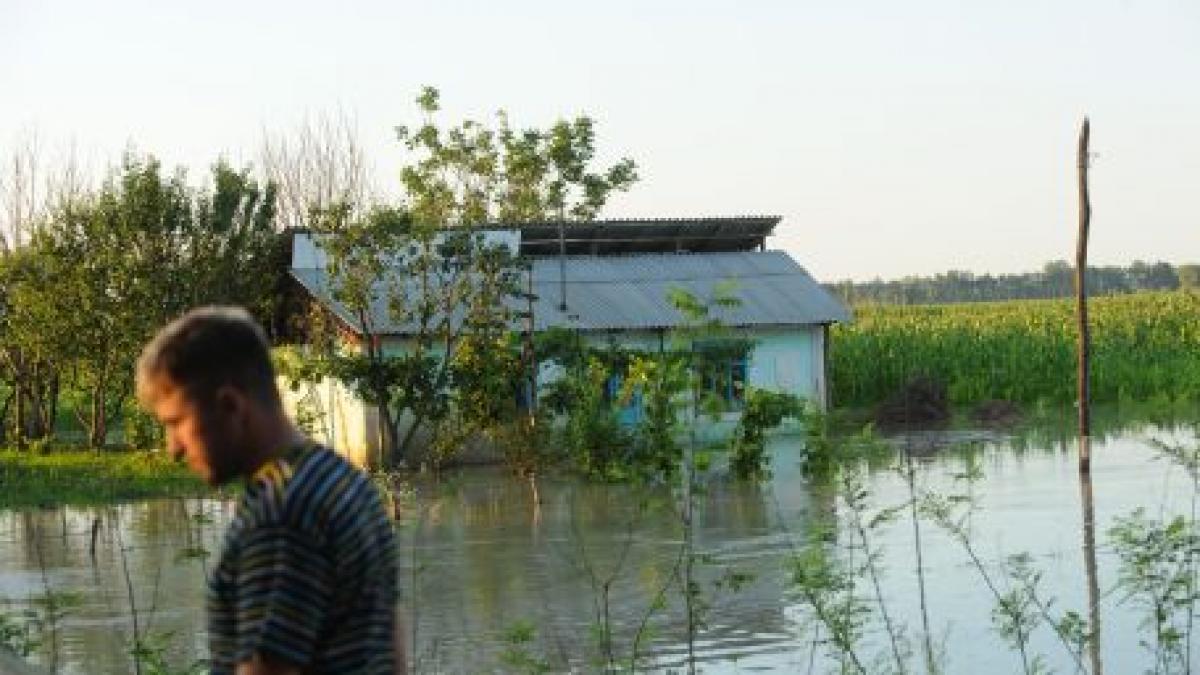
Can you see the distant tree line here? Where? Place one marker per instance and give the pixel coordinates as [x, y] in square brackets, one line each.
[1055, 280]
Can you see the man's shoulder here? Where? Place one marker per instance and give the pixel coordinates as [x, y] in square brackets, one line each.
[295, 489]
[321, 475]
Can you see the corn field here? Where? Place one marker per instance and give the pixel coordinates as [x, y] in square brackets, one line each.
[1145, 346]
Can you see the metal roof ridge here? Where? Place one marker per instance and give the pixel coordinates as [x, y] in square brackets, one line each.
[637, 219]
[651, 254]
[308, 229]
[735, 216]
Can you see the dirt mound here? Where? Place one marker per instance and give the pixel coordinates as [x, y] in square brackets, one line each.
[922, 400]
[996, 412]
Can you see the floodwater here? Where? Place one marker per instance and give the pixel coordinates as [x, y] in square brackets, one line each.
[483, 560]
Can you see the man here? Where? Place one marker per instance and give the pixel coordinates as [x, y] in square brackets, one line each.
[306, 582]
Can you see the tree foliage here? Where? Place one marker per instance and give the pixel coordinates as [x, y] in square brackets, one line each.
[764, 411]
[474, 173]
[104, 269]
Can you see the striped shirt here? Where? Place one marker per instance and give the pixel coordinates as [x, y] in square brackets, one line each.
[308, 572]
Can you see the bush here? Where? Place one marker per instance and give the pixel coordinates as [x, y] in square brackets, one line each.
[142, 431]
[764, 411]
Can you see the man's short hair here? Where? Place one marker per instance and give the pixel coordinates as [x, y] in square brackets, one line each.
[205, 349]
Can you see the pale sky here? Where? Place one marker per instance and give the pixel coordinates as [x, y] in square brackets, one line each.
[893, 137]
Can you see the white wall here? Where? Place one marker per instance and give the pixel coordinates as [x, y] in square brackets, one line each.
[785, 358]
[336, 417]
[789, 359]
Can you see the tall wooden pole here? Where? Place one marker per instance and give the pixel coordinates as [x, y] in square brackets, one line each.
[1085, 216]
[1085, 431]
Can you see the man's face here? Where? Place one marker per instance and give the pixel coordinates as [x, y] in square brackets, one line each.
[199, 434]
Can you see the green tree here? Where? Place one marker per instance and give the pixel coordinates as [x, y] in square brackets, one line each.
[233, 253]
[114, 252]
[370, 262]
[448, 293]
[472, 173]
[28, 352]
[451, 288]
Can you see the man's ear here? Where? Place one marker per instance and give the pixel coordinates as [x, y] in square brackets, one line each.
[230, 401]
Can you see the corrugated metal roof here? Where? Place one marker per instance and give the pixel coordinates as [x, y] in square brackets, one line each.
[631, 292]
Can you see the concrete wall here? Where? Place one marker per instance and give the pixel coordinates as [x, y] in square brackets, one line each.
[334, 416]
[790, 359]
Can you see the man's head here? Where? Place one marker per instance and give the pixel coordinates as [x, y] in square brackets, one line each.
[207, 376]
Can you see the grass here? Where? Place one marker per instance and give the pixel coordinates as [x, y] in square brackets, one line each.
[90, 477]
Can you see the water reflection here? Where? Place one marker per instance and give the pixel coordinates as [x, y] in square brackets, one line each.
[480, 556]
[1088, 506]
[51, 551]
[481, 560]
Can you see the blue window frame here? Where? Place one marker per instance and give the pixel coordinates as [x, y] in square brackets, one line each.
[725, 377]
[629, 413]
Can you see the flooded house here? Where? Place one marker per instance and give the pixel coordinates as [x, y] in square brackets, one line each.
[610, 282]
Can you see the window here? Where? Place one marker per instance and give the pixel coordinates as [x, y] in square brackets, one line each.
[612, 388]
[629, 411]
[723, 367]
